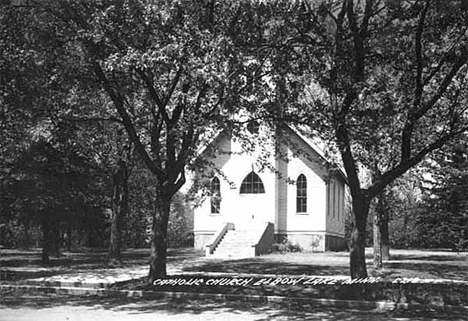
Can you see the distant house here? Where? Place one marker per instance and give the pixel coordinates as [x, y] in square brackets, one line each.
[283, 187]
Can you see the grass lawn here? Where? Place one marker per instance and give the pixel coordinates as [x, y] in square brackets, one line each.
[19, 264]
[422, 264]
[431, 264]
[87, 258]
[403, 263]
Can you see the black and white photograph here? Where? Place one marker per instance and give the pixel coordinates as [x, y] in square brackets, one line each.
[233, 160]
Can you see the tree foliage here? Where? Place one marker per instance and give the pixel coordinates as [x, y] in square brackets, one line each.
[384, 82]
[174, 73]
[443, 221]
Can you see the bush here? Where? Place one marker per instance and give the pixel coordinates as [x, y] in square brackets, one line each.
[316, 241]
[285, 246]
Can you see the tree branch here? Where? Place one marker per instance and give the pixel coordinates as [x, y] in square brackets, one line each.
[175, 81]
[367, 15]
[444, 59]
[406, 164]
[424, 107]
[126, 120]
[461, 61]
[418, 88]
[154, 95]
[155, 137]
[359, 67]
[344, 145]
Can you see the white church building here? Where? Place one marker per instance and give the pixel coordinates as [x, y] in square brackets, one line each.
[280, 186]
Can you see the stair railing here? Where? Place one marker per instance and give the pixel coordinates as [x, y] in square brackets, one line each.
[217, 237]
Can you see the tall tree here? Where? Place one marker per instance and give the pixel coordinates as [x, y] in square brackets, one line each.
[443, 222]
[385, 84]
[405, 203]
[174, 72]
[120, 207]
[44, 87]
[29, 88]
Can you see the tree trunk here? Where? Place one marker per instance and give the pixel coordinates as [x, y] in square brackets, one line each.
[380, 230]
[358, 239]
[119, 211]
[405, 228]
[379, 218]
[69, 237]
[56, 239]
[384, 238]
[377, 238]
[45, 242]
[50, 239]
[158, 254]
[26, 243]
[357, 254]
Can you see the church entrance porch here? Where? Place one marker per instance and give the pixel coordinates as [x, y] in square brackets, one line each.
[240, 243]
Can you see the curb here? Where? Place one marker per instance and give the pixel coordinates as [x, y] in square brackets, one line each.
[72, 284]
[350, 304]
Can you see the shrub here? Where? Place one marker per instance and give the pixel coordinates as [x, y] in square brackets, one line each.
[316, 241]
[285, 246]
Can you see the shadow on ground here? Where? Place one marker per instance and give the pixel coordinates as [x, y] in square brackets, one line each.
[259, 266]
[87, 258]
[424, 270]
[404, 263]
[200, 307]
[18, 265]
[445, 266]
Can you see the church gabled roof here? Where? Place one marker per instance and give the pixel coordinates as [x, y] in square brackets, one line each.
[309, 142]
[319, 151]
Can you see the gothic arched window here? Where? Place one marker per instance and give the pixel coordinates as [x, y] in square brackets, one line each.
[252, 184]
[215, 196]
[301, 194]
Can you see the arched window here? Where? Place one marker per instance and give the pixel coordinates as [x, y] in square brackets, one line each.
[252, 184]
[215, 196]
[301, 194]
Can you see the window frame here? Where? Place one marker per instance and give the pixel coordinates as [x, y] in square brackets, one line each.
[252, 184]
[301, 194]
[215, 198]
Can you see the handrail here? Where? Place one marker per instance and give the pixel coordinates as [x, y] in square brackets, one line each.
[217, 237]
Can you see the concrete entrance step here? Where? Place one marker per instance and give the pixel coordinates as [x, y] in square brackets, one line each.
[237, 244]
